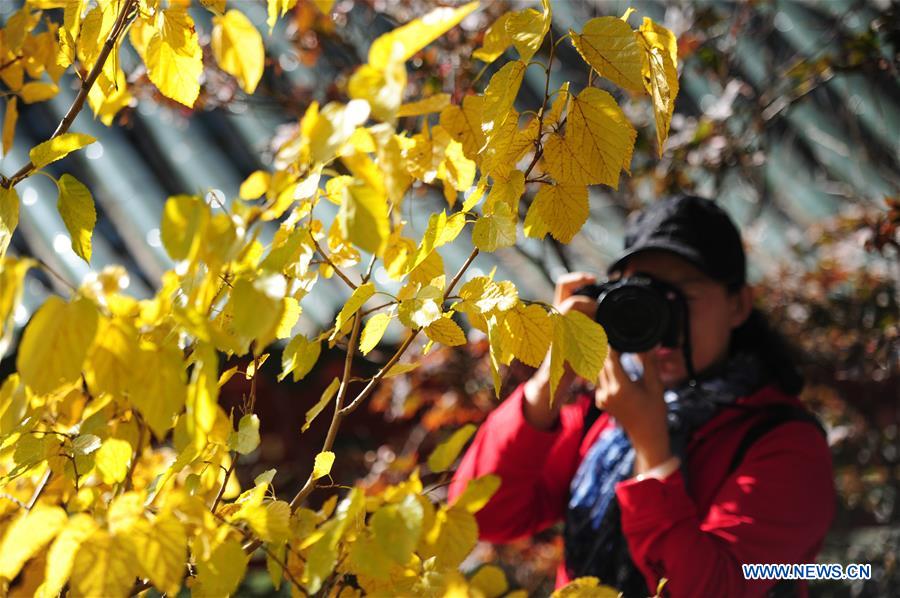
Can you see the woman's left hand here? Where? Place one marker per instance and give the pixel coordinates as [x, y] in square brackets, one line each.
[638, 407]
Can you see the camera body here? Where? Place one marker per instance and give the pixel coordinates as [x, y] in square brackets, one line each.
[638, 312]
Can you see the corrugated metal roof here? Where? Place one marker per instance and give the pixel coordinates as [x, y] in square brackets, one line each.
[815, 159]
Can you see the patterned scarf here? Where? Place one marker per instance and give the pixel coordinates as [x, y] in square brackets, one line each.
[594, 542]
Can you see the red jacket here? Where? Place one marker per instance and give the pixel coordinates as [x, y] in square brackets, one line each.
[775, 508]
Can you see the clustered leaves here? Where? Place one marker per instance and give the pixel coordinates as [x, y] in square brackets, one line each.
[117, 460]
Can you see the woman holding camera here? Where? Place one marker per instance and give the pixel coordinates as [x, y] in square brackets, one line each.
[705, 462]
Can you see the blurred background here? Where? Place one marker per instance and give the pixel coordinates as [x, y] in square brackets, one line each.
[789, 115]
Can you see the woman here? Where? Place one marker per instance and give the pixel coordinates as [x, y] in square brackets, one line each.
[675, 478]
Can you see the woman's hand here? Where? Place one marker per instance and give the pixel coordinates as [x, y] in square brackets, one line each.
[638, 407]
[539, 410]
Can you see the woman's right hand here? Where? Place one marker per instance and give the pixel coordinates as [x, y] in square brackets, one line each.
[538, 409]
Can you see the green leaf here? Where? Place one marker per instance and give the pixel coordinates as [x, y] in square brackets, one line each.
[398, 527]
[316, 409]
[443, 456]
[299, 357]
[246, 439]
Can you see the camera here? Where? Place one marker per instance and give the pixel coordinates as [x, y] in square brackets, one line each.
[638, 312]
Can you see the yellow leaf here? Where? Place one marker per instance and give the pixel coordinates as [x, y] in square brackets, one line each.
[222, 572]
[368, 560]
[435, 103]
[373, 331]
[446, 331]
[554, 115]
[496, 40]
[485, 295]
[585, 587]
[360, 295]
[159, 389]
[299, 357]
[28, 534]
[363, 217]
[238, 48]
[660, 37]
[528, 28]
[609, 46]
[477, 493]
[584, 344]
[76, 206]
[61, 555]
[446, 453]
[173, 56]
[291, 311]
[400, 44]
[529, 330]
[498, 354]
[381, 88]
[463, 123]
[37, 91]
[55, 344]
[10, 117]
[506, 191]
[598, 142]
[162, 549]
[422, 309]
[255, 185]
[324, 6]
[215, 6]
[496, 230]
[112, 460]
[110, 364]
[329, 129]
[453, 537]
[560, 210]
[322, 466]
[398, 369]
[398, 527]
[183, 221]
[660, 76]
[12, 277]
[257, 308]
[499, 97]
[103, 567]
[490, 580]
[316, 409]
[507, 146]
[278, 8]
[269, 521]
[58, 147]
[9, 216]
[203, 393]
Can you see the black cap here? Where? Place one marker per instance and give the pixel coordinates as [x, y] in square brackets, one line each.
[694, 228]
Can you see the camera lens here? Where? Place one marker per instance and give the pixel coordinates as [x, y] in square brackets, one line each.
[635, 317]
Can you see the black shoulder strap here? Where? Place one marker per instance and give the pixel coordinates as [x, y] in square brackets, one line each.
[774, 416]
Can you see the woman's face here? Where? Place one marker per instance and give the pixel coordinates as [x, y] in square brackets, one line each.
[714, 312]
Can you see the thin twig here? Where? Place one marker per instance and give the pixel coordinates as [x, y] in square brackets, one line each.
[328, 261]
[126, 16]
[406, 342]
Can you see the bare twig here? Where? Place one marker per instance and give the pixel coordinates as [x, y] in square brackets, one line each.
[328, 261]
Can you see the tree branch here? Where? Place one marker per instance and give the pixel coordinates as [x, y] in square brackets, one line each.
[126, 16]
